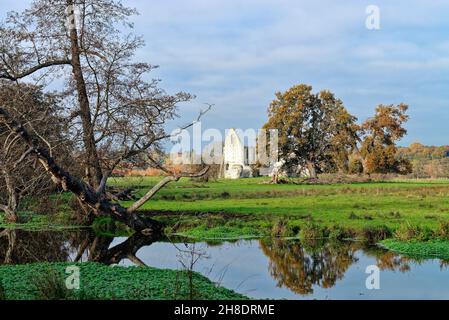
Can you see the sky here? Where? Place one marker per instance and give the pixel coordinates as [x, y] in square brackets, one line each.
[236, 54]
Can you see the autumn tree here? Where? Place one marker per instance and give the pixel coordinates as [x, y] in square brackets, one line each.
[114, 113]
[315, 130]
[381, 132]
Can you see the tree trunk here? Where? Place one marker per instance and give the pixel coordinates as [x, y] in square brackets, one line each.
[275, 178]
[13, 199]
[11, 246]
[93, 168]
[11, 239]
[312, 170]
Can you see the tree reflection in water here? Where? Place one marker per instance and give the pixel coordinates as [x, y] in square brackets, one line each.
[300, 266]
[99, 249]
[20, 247]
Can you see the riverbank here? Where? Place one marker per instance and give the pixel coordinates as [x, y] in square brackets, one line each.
[46, 281]
[403, 210]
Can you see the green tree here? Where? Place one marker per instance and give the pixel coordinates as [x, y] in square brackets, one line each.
[315, 130]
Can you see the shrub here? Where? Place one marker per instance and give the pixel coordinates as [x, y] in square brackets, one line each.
[443, 231]
[374, 234]
[312, 231]
[339, 233]
[225, 195]
[282, 229]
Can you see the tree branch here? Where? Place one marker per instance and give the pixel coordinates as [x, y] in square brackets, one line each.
[24, 155]
[162, 184]
[6, 75]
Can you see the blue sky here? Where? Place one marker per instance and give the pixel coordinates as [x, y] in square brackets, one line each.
[237, 54]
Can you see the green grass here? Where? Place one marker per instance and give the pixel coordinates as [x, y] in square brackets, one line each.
[106, 282]
[41, 222]
[48, 213]
[186, 189]
[250, 207]
[416, 249]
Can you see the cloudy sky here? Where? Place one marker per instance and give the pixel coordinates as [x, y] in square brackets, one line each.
[236, 54]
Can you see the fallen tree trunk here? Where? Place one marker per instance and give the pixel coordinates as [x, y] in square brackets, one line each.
[125, 250]
[85, 193]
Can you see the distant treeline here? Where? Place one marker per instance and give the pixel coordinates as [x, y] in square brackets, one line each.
[418, 151]
[427, 161]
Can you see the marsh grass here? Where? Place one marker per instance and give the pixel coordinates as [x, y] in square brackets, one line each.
[373, 234]
[407, 232]
[282, 229]
[312, 230]
[443, 231]
[339, 233]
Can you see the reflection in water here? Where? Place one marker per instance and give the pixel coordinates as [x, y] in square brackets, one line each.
[100, 250]
[300, 268]
[20, 247]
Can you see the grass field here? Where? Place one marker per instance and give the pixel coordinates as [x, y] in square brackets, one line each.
[250, 207]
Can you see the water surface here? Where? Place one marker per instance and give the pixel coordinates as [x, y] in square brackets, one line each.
[267, 268]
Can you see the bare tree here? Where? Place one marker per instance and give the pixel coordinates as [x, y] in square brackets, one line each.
[113, 112]
[19, 174]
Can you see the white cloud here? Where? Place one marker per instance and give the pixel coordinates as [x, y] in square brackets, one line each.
[236, 54]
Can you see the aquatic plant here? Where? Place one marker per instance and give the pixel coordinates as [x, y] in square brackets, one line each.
[103, 282]
[427, 249]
